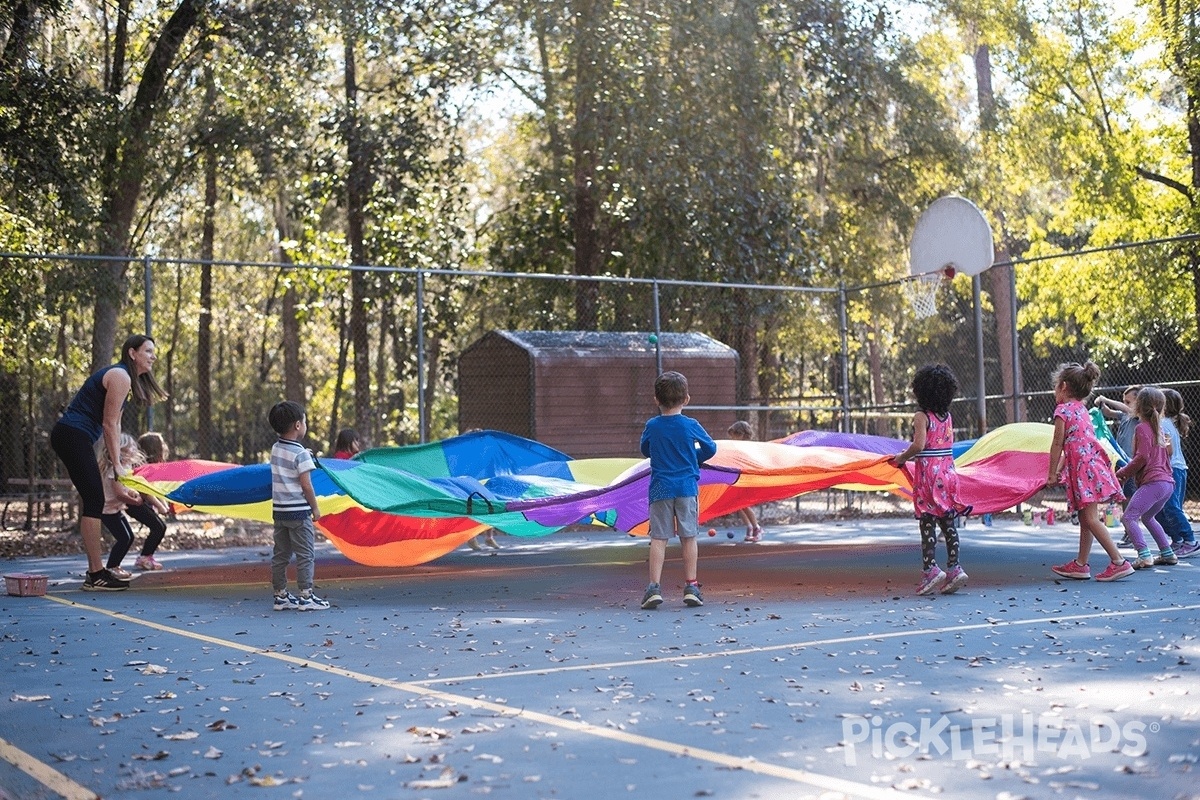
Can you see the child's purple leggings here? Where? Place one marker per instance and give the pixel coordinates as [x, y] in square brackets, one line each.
[1147, 501]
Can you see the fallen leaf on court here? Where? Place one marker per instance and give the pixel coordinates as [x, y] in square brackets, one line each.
[29, 698]
[445, 780]
[429, 733]
[153, 669]
[159, 756]
[221, 725]
[213, 753]
[183, 736]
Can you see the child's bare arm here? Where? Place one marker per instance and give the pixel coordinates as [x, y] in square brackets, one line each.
[309, 494]
[1056, 446]
[920, 430]
[1112, 408]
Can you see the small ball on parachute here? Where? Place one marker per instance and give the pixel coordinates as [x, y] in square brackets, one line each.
[712, 531]
[729, 535]
[653, 338]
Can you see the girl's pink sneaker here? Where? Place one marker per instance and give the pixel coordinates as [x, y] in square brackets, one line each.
[146, 564]
[1114, 572]
[1073, 569]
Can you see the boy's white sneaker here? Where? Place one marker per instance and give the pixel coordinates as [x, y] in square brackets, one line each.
[307, 601]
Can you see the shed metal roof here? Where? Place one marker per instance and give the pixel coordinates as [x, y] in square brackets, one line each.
[545, 342]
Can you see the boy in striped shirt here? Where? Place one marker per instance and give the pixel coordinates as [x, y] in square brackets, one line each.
[293, 507]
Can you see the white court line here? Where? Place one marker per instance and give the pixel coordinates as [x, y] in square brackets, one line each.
[863, 637]
[816, 780]
[44, 774]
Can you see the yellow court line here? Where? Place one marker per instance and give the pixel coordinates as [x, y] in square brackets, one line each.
[755, 766]
[774, 648]
[44, 774]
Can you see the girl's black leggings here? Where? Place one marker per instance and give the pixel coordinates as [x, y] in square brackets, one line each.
[118, 526]
[929, 540]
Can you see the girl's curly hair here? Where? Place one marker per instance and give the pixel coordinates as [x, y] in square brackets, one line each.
[934, 386]
[1079, 378]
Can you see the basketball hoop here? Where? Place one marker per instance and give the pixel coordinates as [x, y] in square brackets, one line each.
[921, 292]
[951, 236]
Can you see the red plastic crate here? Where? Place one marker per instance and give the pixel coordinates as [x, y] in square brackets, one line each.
[23, 584]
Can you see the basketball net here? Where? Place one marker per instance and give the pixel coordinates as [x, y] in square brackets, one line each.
[921, 293]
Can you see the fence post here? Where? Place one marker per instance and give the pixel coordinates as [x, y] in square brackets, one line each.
[149, 317]
[981, 379]
[421, 427]
[657, 333]
[1018, 414]
[844, 334]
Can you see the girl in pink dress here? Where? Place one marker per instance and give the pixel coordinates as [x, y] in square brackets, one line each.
[934, 481]
[1090, 480]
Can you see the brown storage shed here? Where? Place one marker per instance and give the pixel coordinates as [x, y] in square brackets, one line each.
[588, 393]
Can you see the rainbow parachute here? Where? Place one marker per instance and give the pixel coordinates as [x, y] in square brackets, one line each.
[409, 505]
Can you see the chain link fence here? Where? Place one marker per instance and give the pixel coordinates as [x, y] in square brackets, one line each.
[378, 349]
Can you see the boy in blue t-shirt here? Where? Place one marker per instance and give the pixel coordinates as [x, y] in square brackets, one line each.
[293, 507]
[676, 445]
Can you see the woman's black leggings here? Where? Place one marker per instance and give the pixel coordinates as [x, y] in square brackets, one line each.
[78, 454]
[118, 526]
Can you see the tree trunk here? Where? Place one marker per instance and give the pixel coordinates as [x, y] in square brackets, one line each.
[1193, 126]
[339, 377]
[999, 278]
[584, 147]
[204, 416]
[881, 425]
[357, 182]
[289, 322]
[125, 166]
[434, 343]
[742, 255]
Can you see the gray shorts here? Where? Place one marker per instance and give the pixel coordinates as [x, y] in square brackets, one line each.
[676, 515]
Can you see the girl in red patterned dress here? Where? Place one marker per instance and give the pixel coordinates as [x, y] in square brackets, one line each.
[934, 481]
[1090, 480]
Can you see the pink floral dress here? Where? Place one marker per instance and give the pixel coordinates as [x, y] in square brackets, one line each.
[934, 481]
[1090, 478]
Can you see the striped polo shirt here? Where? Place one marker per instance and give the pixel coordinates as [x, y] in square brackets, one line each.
[289, 460]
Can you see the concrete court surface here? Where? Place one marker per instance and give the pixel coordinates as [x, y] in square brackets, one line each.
[812, 670]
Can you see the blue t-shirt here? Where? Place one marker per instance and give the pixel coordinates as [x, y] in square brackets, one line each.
[86, 410]
[676, 446]
[1169, 428]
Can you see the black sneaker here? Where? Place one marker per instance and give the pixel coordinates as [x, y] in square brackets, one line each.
[104, 581]
[691, 595]
[653, 597]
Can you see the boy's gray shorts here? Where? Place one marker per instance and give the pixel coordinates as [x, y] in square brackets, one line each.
[665, 515]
